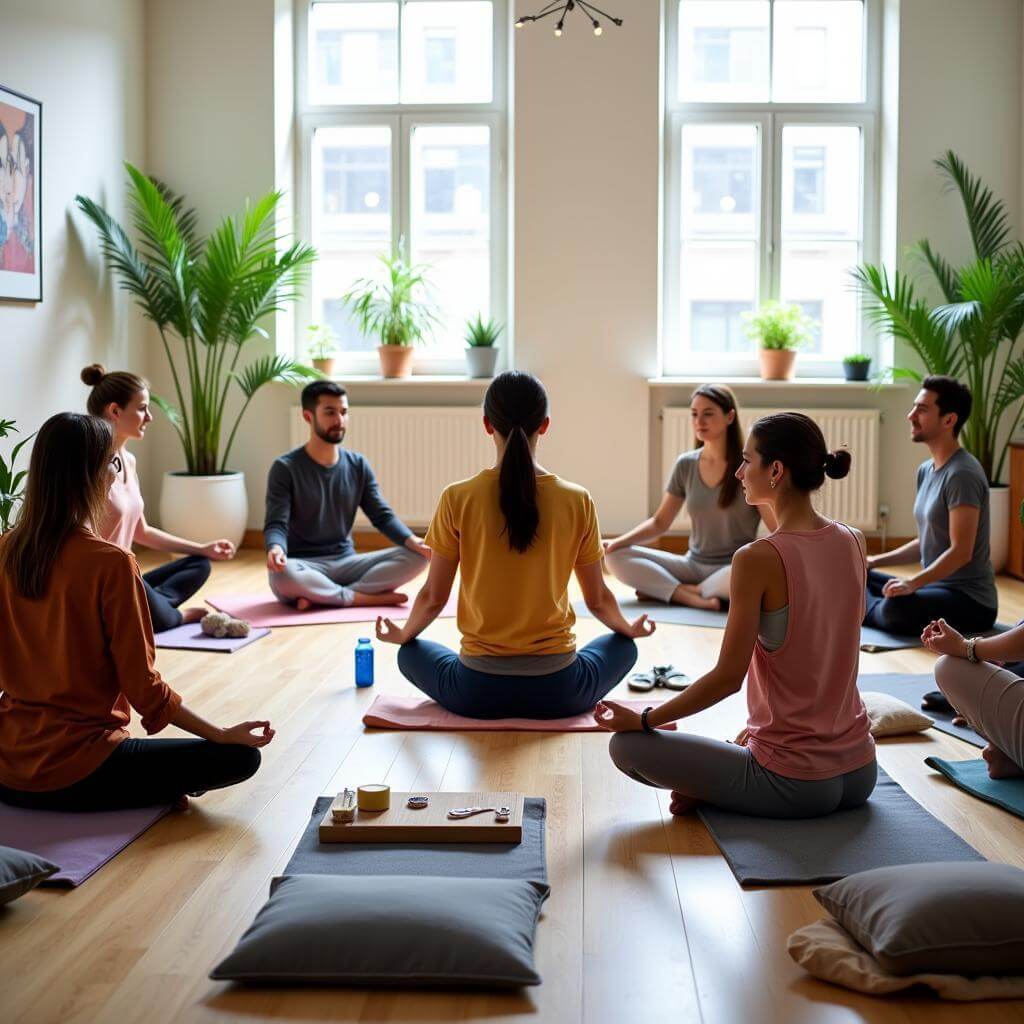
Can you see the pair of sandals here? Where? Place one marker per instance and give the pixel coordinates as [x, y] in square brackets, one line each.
[667, 676]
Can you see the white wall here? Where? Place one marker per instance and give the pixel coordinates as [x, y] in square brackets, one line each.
[84, 62]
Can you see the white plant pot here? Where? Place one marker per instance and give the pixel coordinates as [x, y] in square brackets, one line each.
[481, 360]
[999, 526]
[205, 508]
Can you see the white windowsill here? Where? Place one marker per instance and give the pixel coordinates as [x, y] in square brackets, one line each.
[416, 380]
[817, 383]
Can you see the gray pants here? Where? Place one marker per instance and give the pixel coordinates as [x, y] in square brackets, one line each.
[333, 580]
[990, 698]
[729, 776]
[658, 573]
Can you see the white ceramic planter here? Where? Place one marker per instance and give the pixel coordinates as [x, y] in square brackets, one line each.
[999, 532]
[481, 360]
[205, 508]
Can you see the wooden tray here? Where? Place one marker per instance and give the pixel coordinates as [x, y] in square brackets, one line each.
[401, 824]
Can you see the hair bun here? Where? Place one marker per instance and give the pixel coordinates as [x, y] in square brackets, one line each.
[93, 374]
[837, 464]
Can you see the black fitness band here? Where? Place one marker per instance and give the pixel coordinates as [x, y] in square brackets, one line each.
[643, 720]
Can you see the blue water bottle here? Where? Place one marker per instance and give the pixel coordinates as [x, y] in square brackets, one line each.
[364, 662]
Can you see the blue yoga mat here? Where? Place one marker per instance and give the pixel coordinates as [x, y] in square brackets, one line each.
[972, 777]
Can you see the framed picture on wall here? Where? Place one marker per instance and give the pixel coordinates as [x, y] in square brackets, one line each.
[21, 255]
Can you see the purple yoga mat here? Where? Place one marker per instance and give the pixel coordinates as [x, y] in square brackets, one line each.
[189, 636]
[266, 610]
[78, 843]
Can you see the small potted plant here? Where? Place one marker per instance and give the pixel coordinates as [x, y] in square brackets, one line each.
[856, 366]
[11, 480]
[394, 310]
[321, 347]
[779, 331]
[481, 351]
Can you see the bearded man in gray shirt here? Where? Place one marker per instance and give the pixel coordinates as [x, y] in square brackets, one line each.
[313, 493]
[956, 582]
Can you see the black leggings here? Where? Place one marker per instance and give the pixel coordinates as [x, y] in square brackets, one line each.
[908, 615]
[172, 584]
[146, 773]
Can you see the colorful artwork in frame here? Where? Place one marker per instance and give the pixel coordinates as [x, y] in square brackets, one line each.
[21, 132]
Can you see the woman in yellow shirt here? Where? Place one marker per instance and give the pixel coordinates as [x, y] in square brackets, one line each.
[517, 533]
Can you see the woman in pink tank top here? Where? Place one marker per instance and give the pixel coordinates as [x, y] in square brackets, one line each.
[795, 607]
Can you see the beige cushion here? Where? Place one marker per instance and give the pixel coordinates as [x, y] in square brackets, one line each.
[890, 716]
[827, 951]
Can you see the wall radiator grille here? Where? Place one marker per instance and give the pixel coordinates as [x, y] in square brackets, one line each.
[415, 452]
[853, 500]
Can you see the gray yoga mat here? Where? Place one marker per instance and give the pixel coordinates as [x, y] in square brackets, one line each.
[526, 860]
[890, 829]
[677, 614]
[911, 688]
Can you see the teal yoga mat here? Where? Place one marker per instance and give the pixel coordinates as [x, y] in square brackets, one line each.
[972, 777]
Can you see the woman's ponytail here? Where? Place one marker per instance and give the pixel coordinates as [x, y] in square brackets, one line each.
[516, 405]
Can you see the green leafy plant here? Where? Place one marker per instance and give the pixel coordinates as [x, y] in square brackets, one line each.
[321, 343]
[395, 309]
[856, 359]
[11, 479]
[973, 335]
[779, 326]
[208, 298]
[482, 334]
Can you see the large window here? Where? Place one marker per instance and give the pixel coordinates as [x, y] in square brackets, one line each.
[402, 121]
[770, 174]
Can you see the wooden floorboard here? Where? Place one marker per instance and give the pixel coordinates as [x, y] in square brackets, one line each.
[645, 921]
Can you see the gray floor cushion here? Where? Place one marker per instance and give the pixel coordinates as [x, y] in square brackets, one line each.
[21, 871]
[947, 918]
[396, 931]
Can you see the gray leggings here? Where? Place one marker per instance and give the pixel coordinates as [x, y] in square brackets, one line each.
[658, 573]
[332, 580]
[729, 776]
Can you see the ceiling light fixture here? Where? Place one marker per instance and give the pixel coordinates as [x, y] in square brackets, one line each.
[562, 8]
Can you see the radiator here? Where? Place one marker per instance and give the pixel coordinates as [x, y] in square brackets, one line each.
[852, 500]
[415, 452]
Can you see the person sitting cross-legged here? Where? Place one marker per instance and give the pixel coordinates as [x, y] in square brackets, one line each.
[313, 493]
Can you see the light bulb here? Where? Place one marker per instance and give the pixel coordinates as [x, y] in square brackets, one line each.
[519, 23]
[558, 29]
[597, 29]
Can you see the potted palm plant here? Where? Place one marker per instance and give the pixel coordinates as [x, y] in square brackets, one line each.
[779, 331]
[11, 479]
[394, 310]
[208, 299]
[856, 366]
[481, 350]
[321, 348]
[972, 335]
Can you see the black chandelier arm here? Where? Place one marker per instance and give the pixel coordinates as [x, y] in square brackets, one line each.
[550, 8]
[544, 14]
[591, 8]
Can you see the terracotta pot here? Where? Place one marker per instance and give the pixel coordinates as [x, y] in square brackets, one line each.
[395, 360]
[325, 366]
[777, 363]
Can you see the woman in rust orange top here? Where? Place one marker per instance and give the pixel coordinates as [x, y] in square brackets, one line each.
[76, 653]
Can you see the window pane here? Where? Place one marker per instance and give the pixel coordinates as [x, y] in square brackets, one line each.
[819, 51]
[723, 50]
[721, 180]
[353, 53]
[718, 282]
[451, 223]
[817, 276]
[447, 52]
[821, 181]
[351, 219]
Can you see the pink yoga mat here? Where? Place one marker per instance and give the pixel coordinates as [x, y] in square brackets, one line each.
[78, 843]
[266, 610]
[409, 713]
[189, 636]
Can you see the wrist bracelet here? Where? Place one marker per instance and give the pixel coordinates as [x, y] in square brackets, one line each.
[971, 656]
[645, 725]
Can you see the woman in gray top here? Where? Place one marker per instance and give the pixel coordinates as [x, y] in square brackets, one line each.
[721, 521]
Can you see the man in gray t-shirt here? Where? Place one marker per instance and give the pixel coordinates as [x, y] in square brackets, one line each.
[951, 509]
[313, 494]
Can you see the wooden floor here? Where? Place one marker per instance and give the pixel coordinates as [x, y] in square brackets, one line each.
[645, 922]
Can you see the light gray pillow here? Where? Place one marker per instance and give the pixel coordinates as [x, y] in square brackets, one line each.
[950, 918]
[393, 931]
[21, 871]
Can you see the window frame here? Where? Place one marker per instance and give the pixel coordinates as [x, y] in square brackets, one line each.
[770, 118]
[402, 119]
